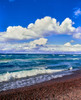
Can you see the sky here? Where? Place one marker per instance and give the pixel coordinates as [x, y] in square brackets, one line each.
[40, 26]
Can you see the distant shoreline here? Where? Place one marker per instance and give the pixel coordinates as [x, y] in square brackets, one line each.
[68, 87]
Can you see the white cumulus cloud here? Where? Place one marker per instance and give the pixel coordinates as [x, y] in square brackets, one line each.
[67, 44]
[35, 43]
[41, 28]
[72, 41]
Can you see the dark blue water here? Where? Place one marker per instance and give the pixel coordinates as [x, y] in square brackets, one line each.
[18, 70]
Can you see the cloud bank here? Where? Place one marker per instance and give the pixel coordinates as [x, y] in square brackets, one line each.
[41, 28]
[39, 31]
[23, 46]
[37, 46]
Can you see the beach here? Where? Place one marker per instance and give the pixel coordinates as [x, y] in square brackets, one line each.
[64, 88]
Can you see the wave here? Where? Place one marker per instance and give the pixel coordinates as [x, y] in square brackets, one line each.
[3, 55]
[39, 59]
[5, 61]
[61, 55]
[26, 73]
[75, 55]
[73, 58]
[32, 80]
[13, 60]
[61, 58]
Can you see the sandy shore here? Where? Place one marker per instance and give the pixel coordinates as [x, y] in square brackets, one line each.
[65, 88]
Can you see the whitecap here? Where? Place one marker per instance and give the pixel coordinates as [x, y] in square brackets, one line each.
[61, 55]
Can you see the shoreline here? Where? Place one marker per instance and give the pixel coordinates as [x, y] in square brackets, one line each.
[68, 87]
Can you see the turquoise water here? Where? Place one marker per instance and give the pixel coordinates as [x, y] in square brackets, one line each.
[18, 70]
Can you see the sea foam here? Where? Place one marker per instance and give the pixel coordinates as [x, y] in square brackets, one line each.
[32, 80]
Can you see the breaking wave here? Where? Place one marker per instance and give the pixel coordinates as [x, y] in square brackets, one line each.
[32, 80]
[26, 73]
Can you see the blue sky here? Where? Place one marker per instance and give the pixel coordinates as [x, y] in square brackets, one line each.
[24, 12]
[17, 15]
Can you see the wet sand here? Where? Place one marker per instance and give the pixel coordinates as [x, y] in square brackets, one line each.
[65, 88]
